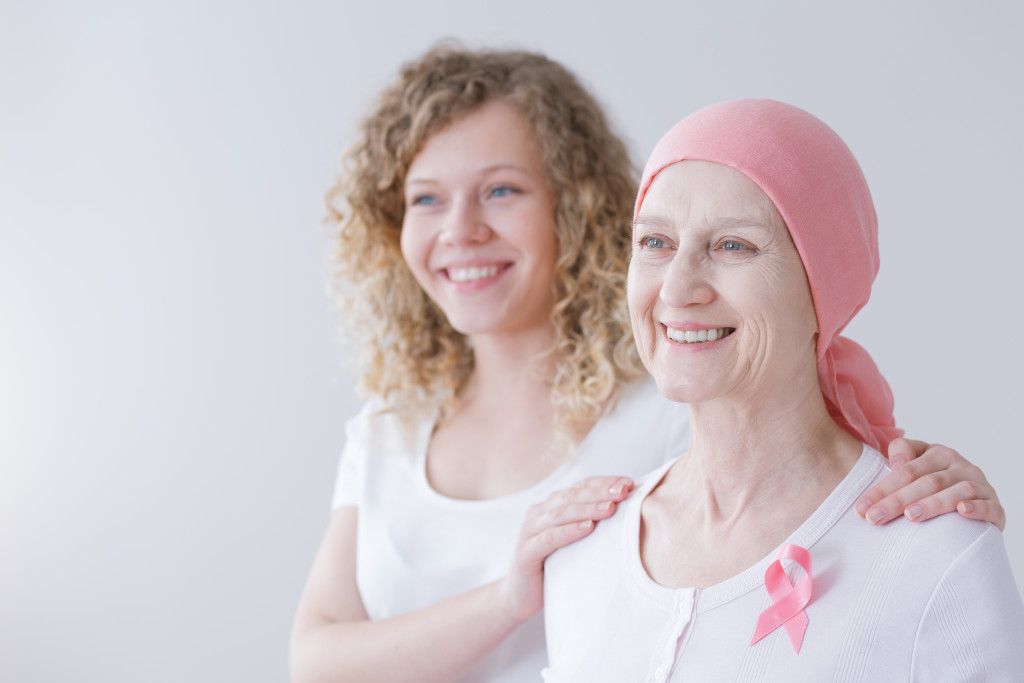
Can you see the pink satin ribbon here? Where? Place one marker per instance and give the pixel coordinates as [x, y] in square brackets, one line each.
[788, 601]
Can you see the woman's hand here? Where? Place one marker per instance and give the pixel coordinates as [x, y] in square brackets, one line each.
[566, 516]
[927, 481]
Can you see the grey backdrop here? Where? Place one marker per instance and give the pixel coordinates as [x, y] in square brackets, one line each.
[172, 395]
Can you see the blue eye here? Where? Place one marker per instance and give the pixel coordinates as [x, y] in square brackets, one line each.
[423, 200]
[734, 245]
[502, 191]
[652, 242]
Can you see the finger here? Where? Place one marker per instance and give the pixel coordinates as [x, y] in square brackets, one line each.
[902, 451]
[895, 481]
[990, 511]
[561, 515]
[942, 502]
[893, 505]
[591, 490]
[593, 498]
[935, 459]
[537, 548]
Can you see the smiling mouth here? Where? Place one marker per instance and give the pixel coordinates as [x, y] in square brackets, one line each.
[698, 336]
[472, 274]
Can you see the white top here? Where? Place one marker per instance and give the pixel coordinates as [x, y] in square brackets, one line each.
[416, 547]
[934, 601]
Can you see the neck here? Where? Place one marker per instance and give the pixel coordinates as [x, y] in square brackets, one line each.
[788, 449]
[510, 369]
[758, 467]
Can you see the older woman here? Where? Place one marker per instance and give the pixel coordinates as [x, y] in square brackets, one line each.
[755, 242]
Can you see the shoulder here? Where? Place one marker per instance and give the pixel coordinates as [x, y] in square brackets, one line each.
[377, 428]
[954, 551]
[926, 549]
[937, 543]
[378, 442]
[639, 431]
[939, 573]
[597, 584]
[608, 548]
[974, 618]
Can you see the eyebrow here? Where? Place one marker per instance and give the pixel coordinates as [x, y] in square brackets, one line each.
[733, 222]
[659, 222]
[650, 222]
[483, 171]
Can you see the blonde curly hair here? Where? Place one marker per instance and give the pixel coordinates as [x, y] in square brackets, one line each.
[409, 350]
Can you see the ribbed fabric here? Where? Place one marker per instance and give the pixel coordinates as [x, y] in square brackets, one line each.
[756, 659]
[953, 624]
[871, 603]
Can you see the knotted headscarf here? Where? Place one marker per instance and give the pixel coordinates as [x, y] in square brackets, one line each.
[817, 186]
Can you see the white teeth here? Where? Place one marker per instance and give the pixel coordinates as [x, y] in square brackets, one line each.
[697, 336]
[470, 274]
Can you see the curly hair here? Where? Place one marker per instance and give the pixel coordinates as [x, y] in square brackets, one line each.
[409, 350]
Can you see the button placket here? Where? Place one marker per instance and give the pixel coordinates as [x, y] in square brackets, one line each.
[679, 619]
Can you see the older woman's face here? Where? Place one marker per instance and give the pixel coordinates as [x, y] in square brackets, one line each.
[718, 296]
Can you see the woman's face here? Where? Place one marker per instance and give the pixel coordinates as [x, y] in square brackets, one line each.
[479, 227]
[718, 296]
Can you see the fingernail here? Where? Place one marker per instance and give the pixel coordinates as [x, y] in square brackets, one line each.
[862, 507]
[620, 487]
[875, 515]
[913, 512]
[898, 461]
[586, 524]
[603, 505]
[965, 508]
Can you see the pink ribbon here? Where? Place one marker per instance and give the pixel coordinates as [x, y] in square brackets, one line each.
[788, 601]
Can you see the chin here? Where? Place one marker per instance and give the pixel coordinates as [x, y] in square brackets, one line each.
[470, 322]
[682, 391]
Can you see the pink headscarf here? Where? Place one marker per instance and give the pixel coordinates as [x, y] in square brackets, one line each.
[816, 184]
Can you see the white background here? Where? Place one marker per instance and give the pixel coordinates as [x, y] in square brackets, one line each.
[172, 395]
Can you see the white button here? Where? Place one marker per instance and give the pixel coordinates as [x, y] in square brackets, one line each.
[686, 605]
[660, 674]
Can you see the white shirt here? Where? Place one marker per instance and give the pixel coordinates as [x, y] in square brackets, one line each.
[416, 547]
[934, 601]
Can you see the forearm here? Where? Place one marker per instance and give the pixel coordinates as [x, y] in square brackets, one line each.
[436, 643]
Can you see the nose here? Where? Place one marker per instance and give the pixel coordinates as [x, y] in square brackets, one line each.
[687, 281]
[464, 224]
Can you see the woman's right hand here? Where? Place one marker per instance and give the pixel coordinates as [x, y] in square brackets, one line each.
[566, 516]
